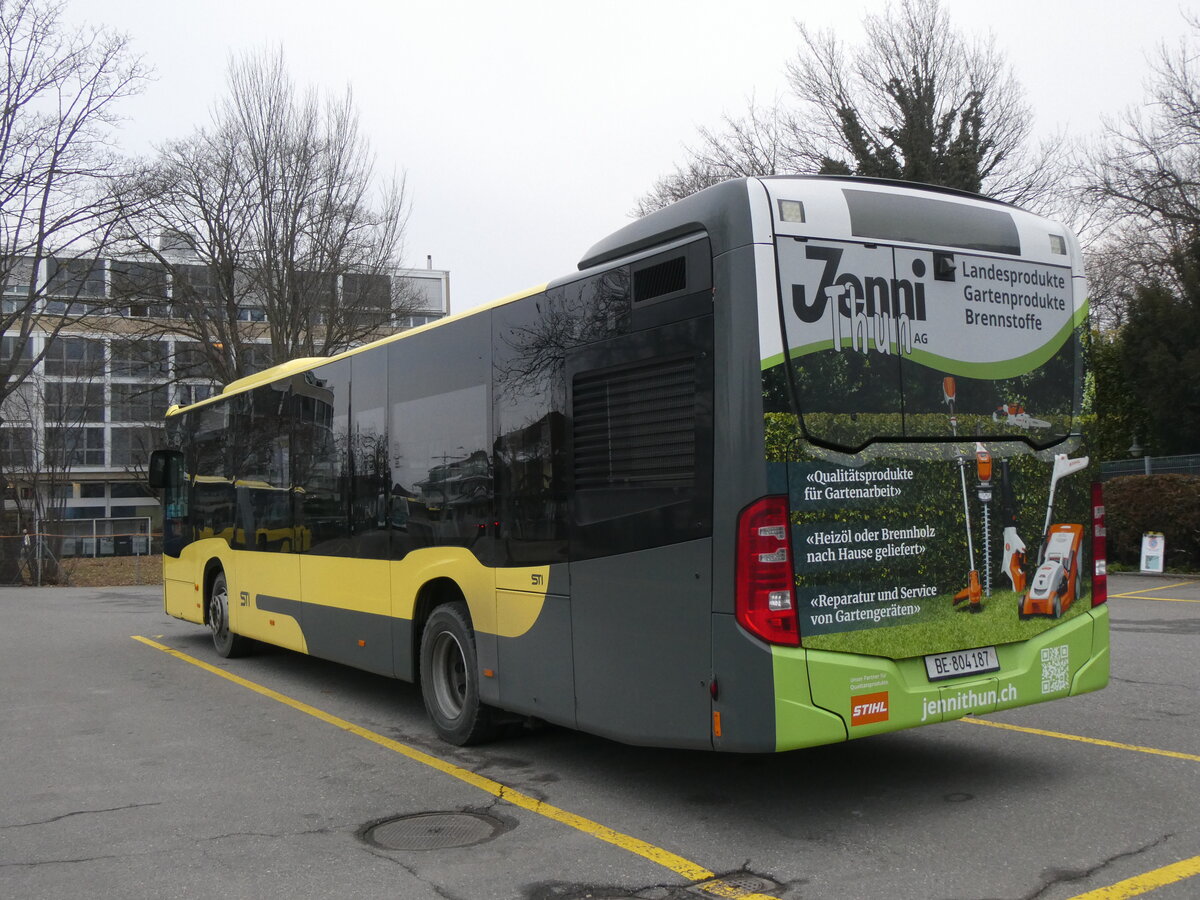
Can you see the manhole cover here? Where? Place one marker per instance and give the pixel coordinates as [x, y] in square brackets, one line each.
[434, 831]
[738, 884]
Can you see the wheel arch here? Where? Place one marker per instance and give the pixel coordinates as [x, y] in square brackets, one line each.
[212, 568]
[432, 594]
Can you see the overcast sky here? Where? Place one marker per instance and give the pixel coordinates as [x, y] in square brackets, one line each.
[528, 130]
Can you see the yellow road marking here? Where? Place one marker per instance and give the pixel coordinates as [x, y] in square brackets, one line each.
[665, 858]
[1149, 881]
[1086, 740]
[1161, 587]
[1170, 599]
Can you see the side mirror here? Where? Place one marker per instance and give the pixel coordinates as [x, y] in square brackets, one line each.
[164, 469]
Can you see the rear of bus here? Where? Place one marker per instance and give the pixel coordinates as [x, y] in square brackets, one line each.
[931, 543]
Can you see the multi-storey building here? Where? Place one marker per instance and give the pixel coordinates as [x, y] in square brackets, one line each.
[83, 423]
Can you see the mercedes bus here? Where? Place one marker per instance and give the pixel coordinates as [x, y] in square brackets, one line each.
[791, 461]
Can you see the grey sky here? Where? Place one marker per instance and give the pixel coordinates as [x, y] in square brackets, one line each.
[528, 129]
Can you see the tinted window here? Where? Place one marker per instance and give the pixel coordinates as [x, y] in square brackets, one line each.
[369, 454]
[321, 459]
[923, 220]
[441, 477]
[530, 407]
[262, 482]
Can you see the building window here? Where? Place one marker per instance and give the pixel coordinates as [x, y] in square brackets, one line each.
[195, 285]
[78, 284]
[415, 321]
[126, 490]
[16, 448]
[18, 276]
[191, 360]
[186, 394]
[74, 447]
[22, 404]
[255, 358]
[138, 403]
[9, 347]
[71, 402]
[75, 356]
[139, 289]
[426, 292]
[139, 359]
[252, 314]
[132, 446]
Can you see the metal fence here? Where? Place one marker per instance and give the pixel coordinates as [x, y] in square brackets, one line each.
[1188, 464]
[106, 537]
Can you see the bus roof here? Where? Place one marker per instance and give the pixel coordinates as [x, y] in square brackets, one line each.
[307, 363]
[726, 212]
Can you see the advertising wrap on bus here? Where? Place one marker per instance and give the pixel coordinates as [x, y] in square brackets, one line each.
[923, 433]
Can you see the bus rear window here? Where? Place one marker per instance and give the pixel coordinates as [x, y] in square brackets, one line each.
[883, 349]
[923, 220]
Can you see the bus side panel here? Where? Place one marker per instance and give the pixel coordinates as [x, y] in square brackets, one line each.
[264, 595]
[763, 695]
[642, 652]
[181, 598]
[347, 619]
[534, 667]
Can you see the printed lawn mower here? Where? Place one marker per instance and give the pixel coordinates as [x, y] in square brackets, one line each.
[1058, 579]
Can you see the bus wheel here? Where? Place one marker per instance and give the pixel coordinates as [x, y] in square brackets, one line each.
[450, 677]
[225, 641]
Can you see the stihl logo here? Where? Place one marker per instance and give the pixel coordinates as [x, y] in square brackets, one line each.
[868, 708]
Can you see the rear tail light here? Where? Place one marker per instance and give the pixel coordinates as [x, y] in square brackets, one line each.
[1099, 546]
[766, 586]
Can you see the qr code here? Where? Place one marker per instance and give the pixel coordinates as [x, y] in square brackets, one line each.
[1056, 668]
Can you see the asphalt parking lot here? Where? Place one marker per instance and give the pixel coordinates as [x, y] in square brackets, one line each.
[139, 764]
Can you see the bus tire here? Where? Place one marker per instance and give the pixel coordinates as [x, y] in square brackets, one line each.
[225, 642]
[450, 677]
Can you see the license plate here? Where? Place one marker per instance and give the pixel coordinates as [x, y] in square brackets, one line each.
[961, 662]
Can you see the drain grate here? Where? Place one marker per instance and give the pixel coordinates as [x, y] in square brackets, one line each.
[434, 831]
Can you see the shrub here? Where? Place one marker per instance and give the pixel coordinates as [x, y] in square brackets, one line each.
[1170, 504]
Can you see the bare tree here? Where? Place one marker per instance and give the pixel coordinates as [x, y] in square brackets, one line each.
[273, 213]
[916, 101]
[1144, 178]
[55, 422]
[1144, 173]
[758, 143]
[60, 90]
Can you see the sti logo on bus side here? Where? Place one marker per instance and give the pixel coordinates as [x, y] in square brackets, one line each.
[873, 311]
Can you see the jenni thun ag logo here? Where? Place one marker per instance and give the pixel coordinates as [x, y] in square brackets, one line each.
[866, 709]
[867, 309]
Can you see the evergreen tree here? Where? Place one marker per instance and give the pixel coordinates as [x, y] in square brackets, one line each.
[1159, 353]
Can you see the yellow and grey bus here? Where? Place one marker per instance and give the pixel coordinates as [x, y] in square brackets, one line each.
[791, 461]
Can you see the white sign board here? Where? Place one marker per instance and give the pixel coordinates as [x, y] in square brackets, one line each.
[1154, 548]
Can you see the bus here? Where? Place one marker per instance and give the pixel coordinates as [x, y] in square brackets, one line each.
[791, 461]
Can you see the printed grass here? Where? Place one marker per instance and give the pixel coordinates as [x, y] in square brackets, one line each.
[943, 626]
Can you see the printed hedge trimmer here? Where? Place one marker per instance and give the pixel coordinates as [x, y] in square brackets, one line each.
[972, 593]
